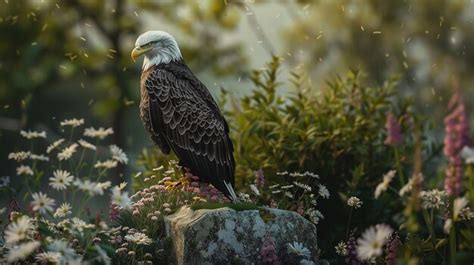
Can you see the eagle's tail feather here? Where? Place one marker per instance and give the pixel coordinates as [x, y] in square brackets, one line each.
[231, 191]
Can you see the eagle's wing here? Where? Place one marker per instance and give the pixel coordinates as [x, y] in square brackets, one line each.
[193, 127]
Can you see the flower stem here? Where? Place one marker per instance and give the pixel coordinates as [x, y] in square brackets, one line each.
[349, 223]
[452, 245]
[399, 167]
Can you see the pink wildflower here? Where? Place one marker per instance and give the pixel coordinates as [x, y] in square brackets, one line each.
[268, 251]
[259, 178]
[456, 137]
[394, 134]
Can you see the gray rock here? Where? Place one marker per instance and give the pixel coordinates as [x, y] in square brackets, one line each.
[226, 236]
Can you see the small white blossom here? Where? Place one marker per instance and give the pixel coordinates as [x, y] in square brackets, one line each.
[67, 152]
[100, 133]
[24, 170]
[138, 238]
[341, 249]
[118, 154]
[432, 199]
[54, 145]
[33, 134]
[354, 202]
[298, 249]
[87, 145]
[323, 191]
[72, 122]
[41, 202]
[4, 181]
[383, 186]
[61, 180]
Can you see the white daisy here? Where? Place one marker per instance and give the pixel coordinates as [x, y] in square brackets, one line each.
[54, 145]
[33, 134]
[100, 133]
[41, 202]
[323, 191]
[314, 215]
[39, 157]
[67, 152]
[299, 249]
[138, 238]
[4, 181]
[468, 155]
[24, 170]
[61, 180]
[22, 251]
[383, 186]
[72, 122]
[255, 189]
[48, 257]
[18, 230]
[19, 156]
[458, 205]
[87, 145]
[63, 210]
[354, 202]
[121, 199]
[303, 186]
[372, 241]
[118, 154]
[447, 226]
[63, 248]
[108, 164]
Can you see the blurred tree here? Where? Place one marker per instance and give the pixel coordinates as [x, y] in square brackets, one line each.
[63, 57]
[428, 42]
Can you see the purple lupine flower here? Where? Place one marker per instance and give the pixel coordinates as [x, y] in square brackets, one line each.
[456, 137]
[259, 178]
[392, 249]
[351, 257]
[268, 251]
[394, 132]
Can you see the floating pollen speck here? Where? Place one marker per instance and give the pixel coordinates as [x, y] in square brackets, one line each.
[377, 32]
[136, 14]
[62, 66]
[362, 28]
[83, 39]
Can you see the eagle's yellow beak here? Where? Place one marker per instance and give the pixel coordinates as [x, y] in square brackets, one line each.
[137, 51]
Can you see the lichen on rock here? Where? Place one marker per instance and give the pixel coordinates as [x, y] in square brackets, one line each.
[225, 236]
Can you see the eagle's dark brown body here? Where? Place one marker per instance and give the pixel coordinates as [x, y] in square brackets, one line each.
[181, 115]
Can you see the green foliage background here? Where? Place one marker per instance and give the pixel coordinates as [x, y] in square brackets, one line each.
[350, 62]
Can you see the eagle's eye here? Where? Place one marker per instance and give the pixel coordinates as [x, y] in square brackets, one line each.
[146, 45]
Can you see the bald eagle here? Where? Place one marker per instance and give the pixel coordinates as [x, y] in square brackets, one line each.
[180, 114]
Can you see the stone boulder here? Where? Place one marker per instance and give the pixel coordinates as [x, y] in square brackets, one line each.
[227, 236]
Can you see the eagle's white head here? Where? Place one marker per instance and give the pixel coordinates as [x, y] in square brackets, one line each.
[157, 47]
